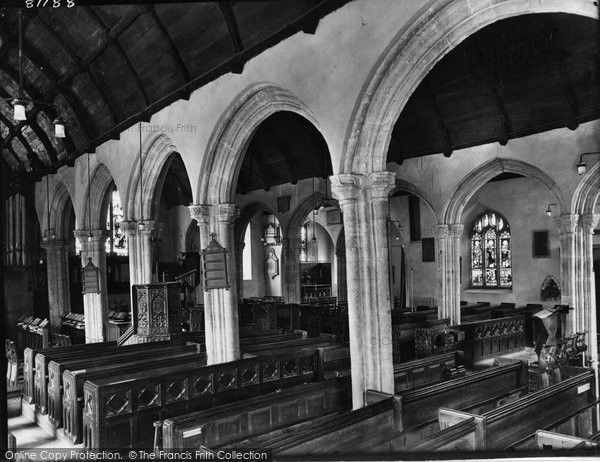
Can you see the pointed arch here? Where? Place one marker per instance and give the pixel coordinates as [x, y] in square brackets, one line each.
[473, 181]
[100, 186]
[233, 133]
[298, 216]
[403, 185]
[158, 151]
[587, 193]
[412, 54]
[61, 207]
[246, 215]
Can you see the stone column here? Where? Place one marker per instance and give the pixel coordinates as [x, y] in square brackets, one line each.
[342, 288]
[130, 229]
[456, 232]
[567, 226]
[146, 251]
[588, 290]
[59, 291]
[290, 269]
[363, 200]
[220, 305]
[95, 305]
[440, 233]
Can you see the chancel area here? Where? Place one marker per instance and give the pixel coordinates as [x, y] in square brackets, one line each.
[321, 228]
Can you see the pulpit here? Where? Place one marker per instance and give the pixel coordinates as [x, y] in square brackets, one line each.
[156, 311]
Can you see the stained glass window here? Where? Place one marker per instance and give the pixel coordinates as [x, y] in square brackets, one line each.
[491, 252]
[303, 244]
[117, 240]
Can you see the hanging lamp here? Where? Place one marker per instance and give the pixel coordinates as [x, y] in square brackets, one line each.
[21, 103]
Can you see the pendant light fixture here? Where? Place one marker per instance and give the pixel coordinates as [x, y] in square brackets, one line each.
[89, 233]
[22, 103]
[314, 238]
[141, 224]
[49, 233]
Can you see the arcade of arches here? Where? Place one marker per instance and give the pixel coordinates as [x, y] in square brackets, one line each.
[408, 161]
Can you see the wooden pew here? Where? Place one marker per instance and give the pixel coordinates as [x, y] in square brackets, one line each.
[546, 440]
[403, 338]
[502, 427]
[423, 371]
[333, 361]
[43, 358]
[421, 405]
[492, 337]
[120, 411]
[366, 430]
[225, 425]
[29, 364]
[57, 367]
[73, 382]
[287, 345]
[471, 308]
[461, 437]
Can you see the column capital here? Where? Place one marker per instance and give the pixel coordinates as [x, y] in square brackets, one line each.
[200, 213]
[129, 227]
[381, 184]
[567, 223]
[440, 231]
[227, 213]
[55, 244]
[589, 221]
[93, 235]
[149, 227]
[457, 229]
[345, 186]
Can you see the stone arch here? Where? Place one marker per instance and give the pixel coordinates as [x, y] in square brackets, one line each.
[587, 192]
[101, 183]
[481, 175]
[157, 152]
[234, 131]
[61, 206]
[298, 217]
[412, 54]
[246, 215]
[403, 185]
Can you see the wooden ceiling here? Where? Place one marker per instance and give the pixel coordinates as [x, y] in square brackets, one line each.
[108, 66]
[516, 77]
[284, 149]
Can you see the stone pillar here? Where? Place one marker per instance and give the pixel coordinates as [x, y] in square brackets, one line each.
[220, 305]
[342, 288]
[59, 291]
[456, 232]
[95, 306]
[130, 229]
[567, 226]
[587, 286]
[290, 269]
[440, 233]
[364, 203]
[146, 251]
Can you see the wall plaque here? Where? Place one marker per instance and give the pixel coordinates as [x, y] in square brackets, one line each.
[214, 267]
[91, 278]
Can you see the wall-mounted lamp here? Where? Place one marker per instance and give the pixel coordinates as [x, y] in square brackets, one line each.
[548, 211]
[581, 166]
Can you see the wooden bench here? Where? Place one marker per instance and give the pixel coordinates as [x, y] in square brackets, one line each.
[423, 371]
[119, 411]
[29, 363]
[57, 367]
[461, 437]
[43, 358]
[228, 424]
[403, 338]
[504, 426]
[492, 337]
[546, 440]
[421, 404]
[347, 434]
[73, 382]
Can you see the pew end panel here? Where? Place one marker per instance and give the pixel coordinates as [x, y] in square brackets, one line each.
[374, 396]
[450, 417]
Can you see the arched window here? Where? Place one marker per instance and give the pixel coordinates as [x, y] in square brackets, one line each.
[117, 241]
[303, 243]
[491, 255]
